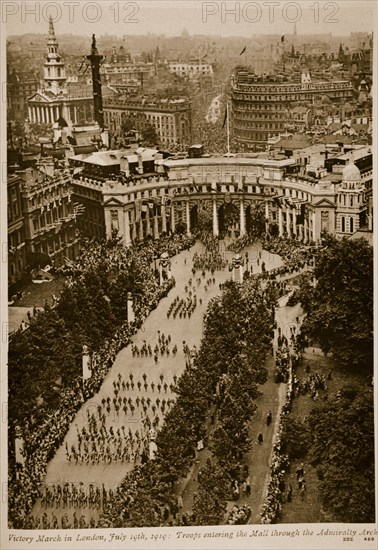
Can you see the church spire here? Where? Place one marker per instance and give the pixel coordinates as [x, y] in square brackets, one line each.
[54, 72]
[51, 27]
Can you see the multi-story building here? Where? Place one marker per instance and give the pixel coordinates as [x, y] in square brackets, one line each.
[261, 104]
[171, 118]
[49, 214]
[92, 171]
[117, 73]
[292, 204]
[16, 236]
[192, 69]
[60, 100]
[19, 89]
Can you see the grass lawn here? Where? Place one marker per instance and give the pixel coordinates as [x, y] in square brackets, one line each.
[309, 510]
[36, 294]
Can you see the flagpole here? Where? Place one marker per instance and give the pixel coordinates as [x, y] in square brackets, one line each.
[228, 128]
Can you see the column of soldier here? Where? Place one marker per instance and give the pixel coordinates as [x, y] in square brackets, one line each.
[64, 500]
[97, 442]
[185, 307]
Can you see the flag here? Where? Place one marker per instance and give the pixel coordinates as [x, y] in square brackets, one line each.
[243, 50]
[79, 209]
[225, 118]
[157, 207]
[138, 208]
[301, 216]
[278, 201]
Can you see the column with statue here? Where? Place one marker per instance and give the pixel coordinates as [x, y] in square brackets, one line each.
[164, 267]
[236, 268]
[130, 308]
[86, 363]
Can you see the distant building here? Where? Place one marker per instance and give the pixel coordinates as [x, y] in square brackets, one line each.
[193, 69]
[171, 118]
[261, 104]
[18, 92]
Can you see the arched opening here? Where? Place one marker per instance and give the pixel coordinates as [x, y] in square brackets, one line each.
[229, 218]
[194, 217]
[255, 219]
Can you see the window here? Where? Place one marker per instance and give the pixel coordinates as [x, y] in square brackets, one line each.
[351, 225]
[342, 224]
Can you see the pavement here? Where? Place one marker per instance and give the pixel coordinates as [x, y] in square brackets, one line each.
[190, 331]
[17, 315]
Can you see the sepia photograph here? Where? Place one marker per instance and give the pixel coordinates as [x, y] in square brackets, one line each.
[188, 354]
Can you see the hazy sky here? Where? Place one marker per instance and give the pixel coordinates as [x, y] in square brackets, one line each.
[243, 18]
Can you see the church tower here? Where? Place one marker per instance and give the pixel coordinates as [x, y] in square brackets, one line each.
[53, 68]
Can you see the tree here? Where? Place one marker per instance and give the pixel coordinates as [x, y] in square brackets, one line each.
[296, 438]
[340, 313]
[343, 450]
[149, 135]
[214, 489]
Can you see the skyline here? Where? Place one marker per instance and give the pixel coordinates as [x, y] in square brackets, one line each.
[162, 17]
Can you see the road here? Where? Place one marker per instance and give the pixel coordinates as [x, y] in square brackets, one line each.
[60, 470]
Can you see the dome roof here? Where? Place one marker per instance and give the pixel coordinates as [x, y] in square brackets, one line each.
[351, 173]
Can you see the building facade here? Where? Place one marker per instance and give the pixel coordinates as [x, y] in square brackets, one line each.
[292, 205]
[171, 119]
[18, 91]
[261, 106]
[193, 69]
[49, 216]
[16, 233]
